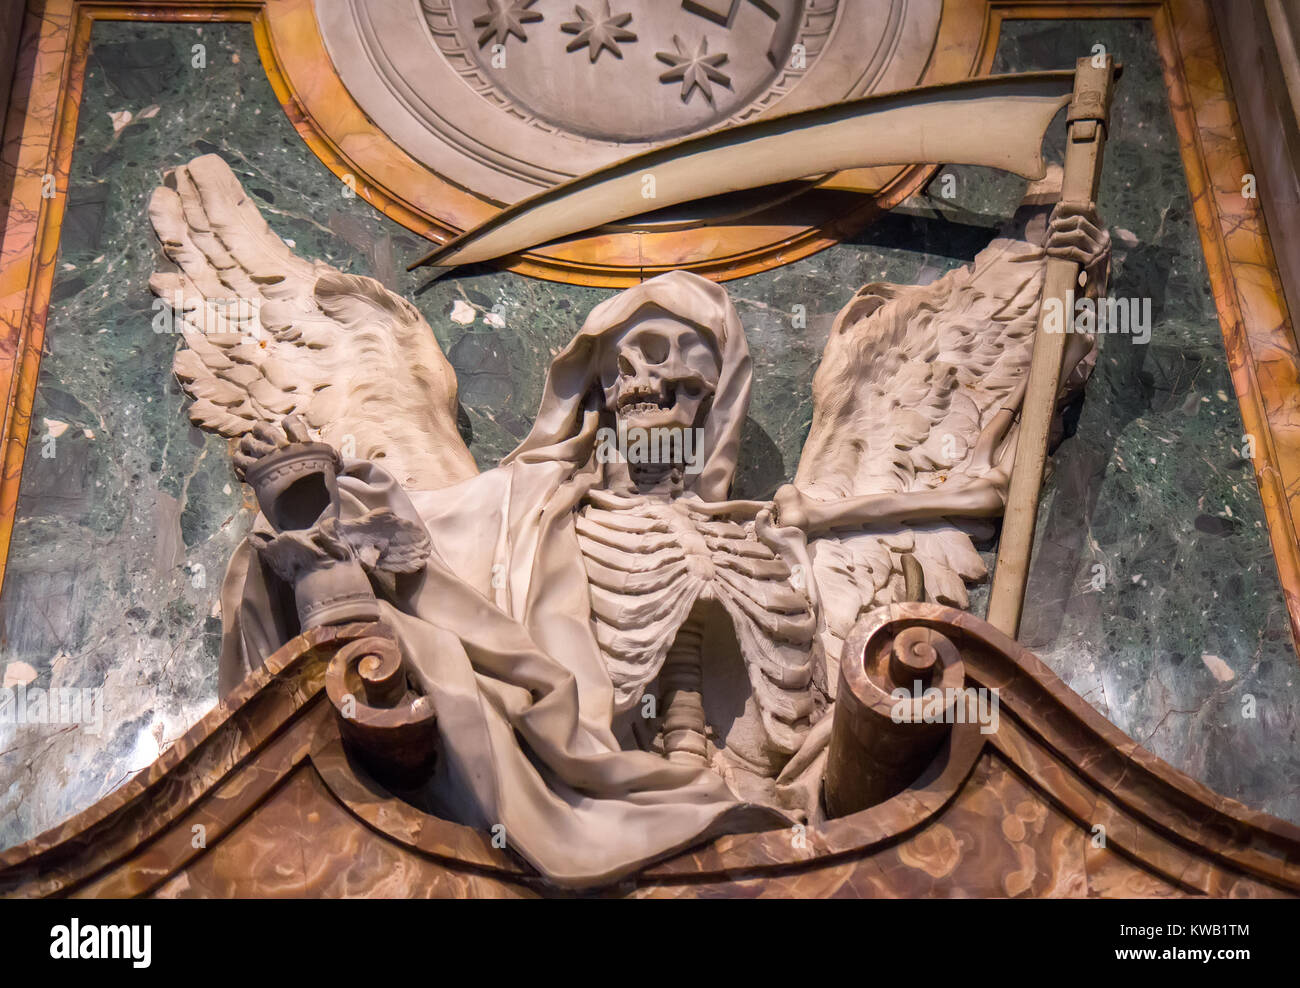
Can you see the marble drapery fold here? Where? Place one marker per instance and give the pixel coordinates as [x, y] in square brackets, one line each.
[496, 628]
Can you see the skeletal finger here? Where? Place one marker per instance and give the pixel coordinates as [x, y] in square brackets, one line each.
[296, 429]
[1070, 254]
[250, 445]
[1081, 225]
[1068, 209]
[1065, 222]
[1076, 224]
[1071, 239]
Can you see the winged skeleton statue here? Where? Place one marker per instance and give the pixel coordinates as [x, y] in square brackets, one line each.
[621, 658]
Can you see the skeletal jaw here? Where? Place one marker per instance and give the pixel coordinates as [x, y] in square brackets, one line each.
[637, 399]
[642, 407]
[652, 406]
[651, 416]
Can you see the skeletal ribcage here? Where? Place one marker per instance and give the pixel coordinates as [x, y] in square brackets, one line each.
[648, 564]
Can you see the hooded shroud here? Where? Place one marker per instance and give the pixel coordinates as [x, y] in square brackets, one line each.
[497, 628]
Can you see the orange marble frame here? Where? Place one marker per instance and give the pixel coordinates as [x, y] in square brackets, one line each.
[1262, 352]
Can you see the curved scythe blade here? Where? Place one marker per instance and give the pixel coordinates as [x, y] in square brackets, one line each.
[998, 122]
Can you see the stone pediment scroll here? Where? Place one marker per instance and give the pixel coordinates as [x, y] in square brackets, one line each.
[287, 812]
[592, 650]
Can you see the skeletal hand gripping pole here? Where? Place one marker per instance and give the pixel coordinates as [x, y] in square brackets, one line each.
[1086, 121]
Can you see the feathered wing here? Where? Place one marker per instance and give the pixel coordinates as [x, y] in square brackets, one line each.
[268, 334]
[909, 377]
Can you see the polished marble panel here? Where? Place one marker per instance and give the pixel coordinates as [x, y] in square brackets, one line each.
[124, 528]
[1153, 592]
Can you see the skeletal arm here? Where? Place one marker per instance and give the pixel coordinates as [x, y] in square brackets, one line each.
[980, 491]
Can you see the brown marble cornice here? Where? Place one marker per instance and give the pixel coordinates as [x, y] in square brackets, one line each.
[261, 798]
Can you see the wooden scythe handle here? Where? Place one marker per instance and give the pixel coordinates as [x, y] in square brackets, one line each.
[1086, 122]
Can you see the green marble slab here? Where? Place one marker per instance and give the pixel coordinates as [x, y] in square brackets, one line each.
[125, 526]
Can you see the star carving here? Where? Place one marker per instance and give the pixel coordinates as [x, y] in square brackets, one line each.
[504, 18]
[694, 70]
[600, 34]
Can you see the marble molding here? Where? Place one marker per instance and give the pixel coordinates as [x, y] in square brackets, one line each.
[261, 799]
[1245, 289]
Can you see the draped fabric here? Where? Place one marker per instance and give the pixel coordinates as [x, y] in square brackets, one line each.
[496, 628]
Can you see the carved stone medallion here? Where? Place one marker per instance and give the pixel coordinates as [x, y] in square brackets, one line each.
[552, 88]
[506, 98]
[633, 72]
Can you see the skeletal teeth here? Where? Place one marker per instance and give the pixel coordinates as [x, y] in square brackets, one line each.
[644, 406]
[653, 404]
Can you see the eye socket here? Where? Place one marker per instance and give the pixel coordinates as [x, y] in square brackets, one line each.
[655, 348]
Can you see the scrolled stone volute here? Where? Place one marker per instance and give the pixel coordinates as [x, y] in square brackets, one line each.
[883, 739]
[392, 728]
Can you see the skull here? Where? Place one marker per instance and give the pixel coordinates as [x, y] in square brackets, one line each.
[658, 374]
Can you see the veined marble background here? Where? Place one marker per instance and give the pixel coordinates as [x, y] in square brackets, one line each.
[127, 514]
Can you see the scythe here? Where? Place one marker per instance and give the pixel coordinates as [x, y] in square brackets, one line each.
[997, 122]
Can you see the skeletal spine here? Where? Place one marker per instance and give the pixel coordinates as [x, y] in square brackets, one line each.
[681, 682]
